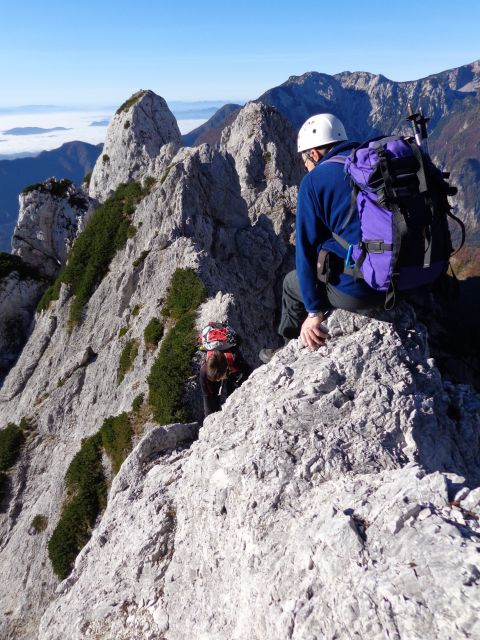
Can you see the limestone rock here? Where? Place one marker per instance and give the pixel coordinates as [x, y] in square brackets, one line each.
[262, 144]
[314, 505]
[135, 136]
[18, 297]
[51, 216]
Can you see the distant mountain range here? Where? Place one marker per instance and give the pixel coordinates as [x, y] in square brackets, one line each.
[210, 131]
[371, 105]
[72, 160]
[368, 104]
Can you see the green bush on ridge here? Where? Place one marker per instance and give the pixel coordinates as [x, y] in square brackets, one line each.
[170, 371]
[131, 101]
[127, 357]
[87, 491]
[186, 293]
[173, 365]
[105, 233]
[137, 402]
[57, 188]
[153, 333]
[11, 441]
[116, 434]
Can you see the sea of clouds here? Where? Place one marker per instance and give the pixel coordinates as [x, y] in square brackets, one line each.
[85, 125]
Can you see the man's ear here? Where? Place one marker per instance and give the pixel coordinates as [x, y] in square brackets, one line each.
[316, 155]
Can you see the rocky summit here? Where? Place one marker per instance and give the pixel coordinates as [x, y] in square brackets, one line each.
[335, 495]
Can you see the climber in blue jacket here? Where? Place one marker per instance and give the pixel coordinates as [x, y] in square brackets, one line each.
[323, 207]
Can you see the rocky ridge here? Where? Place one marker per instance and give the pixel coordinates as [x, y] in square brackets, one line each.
[137, 132]
[52, 214]
[324, 501]
[311, 447]
[66, 382]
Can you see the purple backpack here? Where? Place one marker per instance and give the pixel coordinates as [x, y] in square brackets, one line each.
[401, 199]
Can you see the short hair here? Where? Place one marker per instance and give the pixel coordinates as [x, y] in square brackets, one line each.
[216, 365]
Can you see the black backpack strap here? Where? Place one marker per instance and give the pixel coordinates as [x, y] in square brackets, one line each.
[462, 229]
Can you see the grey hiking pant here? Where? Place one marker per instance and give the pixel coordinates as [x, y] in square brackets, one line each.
[294, 312]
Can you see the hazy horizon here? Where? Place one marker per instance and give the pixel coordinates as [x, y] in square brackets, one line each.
[78, 124]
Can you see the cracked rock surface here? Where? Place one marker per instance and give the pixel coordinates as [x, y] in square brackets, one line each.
[318, 503]
[336, 493]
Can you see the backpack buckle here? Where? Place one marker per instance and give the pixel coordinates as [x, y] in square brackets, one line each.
[375, 246]
[348, 263]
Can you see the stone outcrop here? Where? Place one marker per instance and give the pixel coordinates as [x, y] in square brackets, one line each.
[18, 297]
[195, 216]
[51, 216]
[329, 498]
[314, 503]
[137, 132]
[268, 172]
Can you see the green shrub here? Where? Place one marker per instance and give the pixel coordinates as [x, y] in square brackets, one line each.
[116, 434]
[127, 357]
[105, 233]
[136, 310]
[11, 441]
[87, 491]
[56, 188]
[72, 532]
[131, 101]
[39, 523]
[122, 331]
[87, 177]
[186, 293]
[171, 370]
[148, 183]
[105, 158]
[10, 263]
[127, 124]
[153, 333]
[52, 293]
[27, 424]
[78, 201]
[267, 156]
[137, 402]
[85, 470]
[141, 259]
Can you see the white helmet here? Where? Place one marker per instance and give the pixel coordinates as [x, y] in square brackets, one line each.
[319, 130]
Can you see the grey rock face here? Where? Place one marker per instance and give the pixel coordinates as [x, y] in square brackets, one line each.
[48, 223]
[316, 504]
[18, 297]
[135, 136]
[195, 217]
[50, 218]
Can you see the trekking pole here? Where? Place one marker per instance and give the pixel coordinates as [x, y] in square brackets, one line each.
[419, 124]
[422, 121]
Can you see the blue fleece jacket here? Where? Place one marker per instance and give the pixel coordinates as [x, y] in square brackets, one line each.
[323, 205]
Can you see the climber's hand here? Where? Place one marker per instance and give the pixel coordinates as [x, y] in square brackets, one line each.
[311, 333]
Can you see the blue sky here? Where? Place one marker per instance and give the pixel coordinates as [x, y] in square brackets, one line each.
[98, 53]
